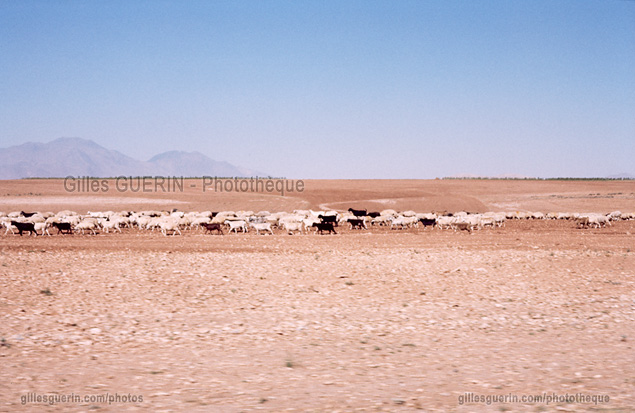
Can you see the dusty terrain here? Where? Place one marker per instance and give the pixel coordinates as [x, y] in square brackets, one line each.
[418, 195]
[377, 320]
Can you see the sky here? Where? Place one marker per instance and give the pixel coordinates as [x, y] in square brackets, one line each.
[331, 89]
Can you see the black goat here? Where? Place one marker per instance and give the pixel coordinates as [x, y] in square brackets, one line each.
[358, 212]
[213, 227]
[325, 226]
[427, 222]
[328, 218]
[27, 214]
[25, 226]
[63, 227]
[357, 223]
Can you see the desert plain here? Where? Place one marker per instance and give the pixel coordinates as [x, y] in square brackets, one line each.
[365, 320]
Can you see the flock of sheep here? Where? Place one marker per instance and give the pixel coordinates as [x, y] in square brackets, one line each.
[298, 221]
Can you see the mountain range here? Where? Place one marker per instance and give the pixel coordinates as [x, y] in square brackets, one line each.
[82, 157]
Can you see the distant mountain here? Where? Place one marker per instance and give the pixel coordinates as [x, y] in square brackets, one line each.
[178, 163]
[82, 157]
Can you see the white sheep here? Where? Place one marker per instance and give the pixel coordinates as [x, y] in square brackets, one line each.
[108, 225]
[292, 226]
[381, 220]
[8, 226]
[168, 224]
[87, 224]
[308, 223]
[42, 226]
[235, 225]
[262, 226]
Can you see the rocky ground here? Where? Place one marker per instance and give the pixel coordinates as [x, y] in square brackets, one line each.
[360, 321]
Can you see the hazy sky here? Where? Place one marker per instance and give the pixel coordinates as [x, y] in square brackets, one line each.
[330, 89]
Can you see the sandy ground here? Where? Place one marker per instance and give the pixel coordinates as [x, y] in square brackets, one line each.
[418, 195]
[377, 320]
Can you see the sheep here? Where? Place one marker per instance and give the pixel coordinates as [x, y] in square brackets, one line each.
[121, 220]
[257, 220]
[108, 225]
[169, 225]
[463, 226]
[221, 217]
[403, 222]
[293, 226]
[388, 212]
[35, 218]
[199, 221]
[603, 220]
[592, 221]
[381, 220]
[9, 227]
[265, 226]
[42, 226]
[308, 223]
[87, 224]
[153, 223]
[342, 219]
[615, 215]
[235, 225]
[74, 219]
[397, 222]
[66, 213]
[487, 221]
[445, 222]
[143, 221]
[184, 222]
[583, 222]
[499, 219]
[244, 213]
[290, 219]
[96, 214]
[466, 222]
[299, 221]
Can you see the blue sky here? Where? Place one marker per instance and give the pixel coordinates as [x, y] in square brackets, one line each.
[331, 89]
